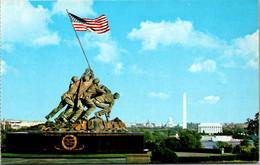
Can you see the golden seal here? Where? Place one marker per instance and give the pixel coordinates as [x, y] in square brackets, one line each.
[69, 142]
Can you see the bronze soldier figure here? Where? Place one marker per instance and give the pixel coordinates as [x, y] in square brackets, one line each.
[86, 83]
[67, 98]
[86, 99]
[105, 101]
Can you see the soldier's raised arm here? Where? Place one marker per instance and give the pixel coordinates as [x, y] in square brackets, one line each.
[92, 76]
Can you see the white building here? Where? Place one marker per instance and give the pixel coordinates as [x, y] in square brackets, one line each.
[210, 128]
[129, 125]
[184, 125]
[158, 125]
[149, 124]
[16, 124]
[169, 123]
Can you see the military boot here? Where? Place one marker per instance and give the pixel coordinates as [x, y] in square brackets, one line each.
[85, 117]
[97, 114]
[47, 117]
[64, 119]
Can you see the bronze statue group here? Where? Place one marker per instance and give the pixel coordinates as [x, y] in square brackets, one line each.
[85, 92]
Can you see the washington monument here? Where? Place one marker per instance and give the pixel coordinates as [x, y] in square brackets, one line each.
[184, 112]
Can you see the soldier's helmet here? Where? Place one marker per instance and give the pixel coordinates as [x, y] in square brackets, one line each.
[116, 95]
[96, 81]
[74, 79]
[86, 78]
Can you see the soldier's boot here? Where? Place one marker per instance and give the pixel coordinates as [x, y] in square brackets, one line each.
[57, 120]
[67, 114]
[47, 117]
[64, 119]
[84, 117]
[88, 112]
[107, 117]
[52, 113]
[76, 115]
[97, 114]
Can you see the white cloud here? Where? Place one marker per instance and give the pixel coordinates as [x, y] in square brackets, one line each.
[159, 95]
[7, 47]
[243, 52]
[118, 68]
[24, 23]
[5, 68]
[240, 52]
[171, 33]
[222, 77]
[78, 7]
[109, 50]
[134, 69]
[210, 100]
[208, 65]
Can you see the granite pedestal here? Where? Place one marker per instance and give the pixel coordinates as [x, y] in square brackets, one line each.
[74, 142]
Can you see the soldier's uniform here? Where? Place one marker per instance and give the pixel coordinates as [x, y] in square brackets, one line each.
[67, 98]
[84, 83]
[106, 102]
[84, 86]
[93, 91]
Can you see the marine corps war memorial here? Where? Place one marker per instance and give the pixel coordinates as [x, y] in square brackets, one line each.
[72, 131]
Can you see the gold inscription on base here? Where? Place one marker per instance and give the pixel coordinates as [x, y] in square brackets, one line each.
[69, 142]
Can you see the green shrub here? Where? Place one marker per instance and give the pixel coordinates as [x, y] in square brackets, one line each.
[228, 148]
[172, 142]
[190, 139]
[164, 155]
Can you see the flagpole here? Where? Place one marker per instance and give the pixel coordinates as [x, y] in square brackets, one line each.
[79, 40]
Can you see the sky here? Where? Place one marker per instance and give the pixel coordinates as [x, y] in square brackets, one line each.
[154, 53]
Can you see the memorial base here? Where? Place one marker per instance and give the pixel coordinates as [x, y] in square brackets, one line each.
[74, 142]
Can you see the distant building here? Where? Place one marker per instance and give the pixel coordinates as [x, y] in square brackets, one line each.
[130, 125]
[184, 125]
[149, 124]
[16, 124]
[169, 123]
[140, 125]
[210, 128]
[158, 125]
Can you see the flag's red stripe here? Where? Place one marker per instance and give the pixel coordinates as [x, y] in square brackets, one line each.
[98, 25]
[100, 17]
[100, 20]
[103, 31]
[98, 28]
[105, 24]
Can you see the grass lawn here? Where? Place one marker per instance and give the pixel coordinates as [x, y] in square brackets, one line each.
[232, 161]
[14, 155]
[61, 160]
[13, 158]
[195, 154]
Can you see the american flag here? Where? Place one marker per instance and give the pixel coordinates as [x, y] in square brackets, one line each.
[98, 25]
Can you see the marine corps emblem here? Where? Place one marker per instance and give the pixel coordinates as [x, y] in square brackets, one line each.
[69, 142]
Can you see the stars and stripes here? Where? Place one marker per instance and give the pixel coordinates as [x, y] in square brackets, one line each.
[98, 25]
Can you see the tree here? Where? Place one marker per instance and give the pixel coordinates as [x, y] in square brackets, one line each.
[171, 131]
[164, 154]
[227, 147]
[253, 125]
[148, 137]
[172, 142]
[245, 143]
[190, 139]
